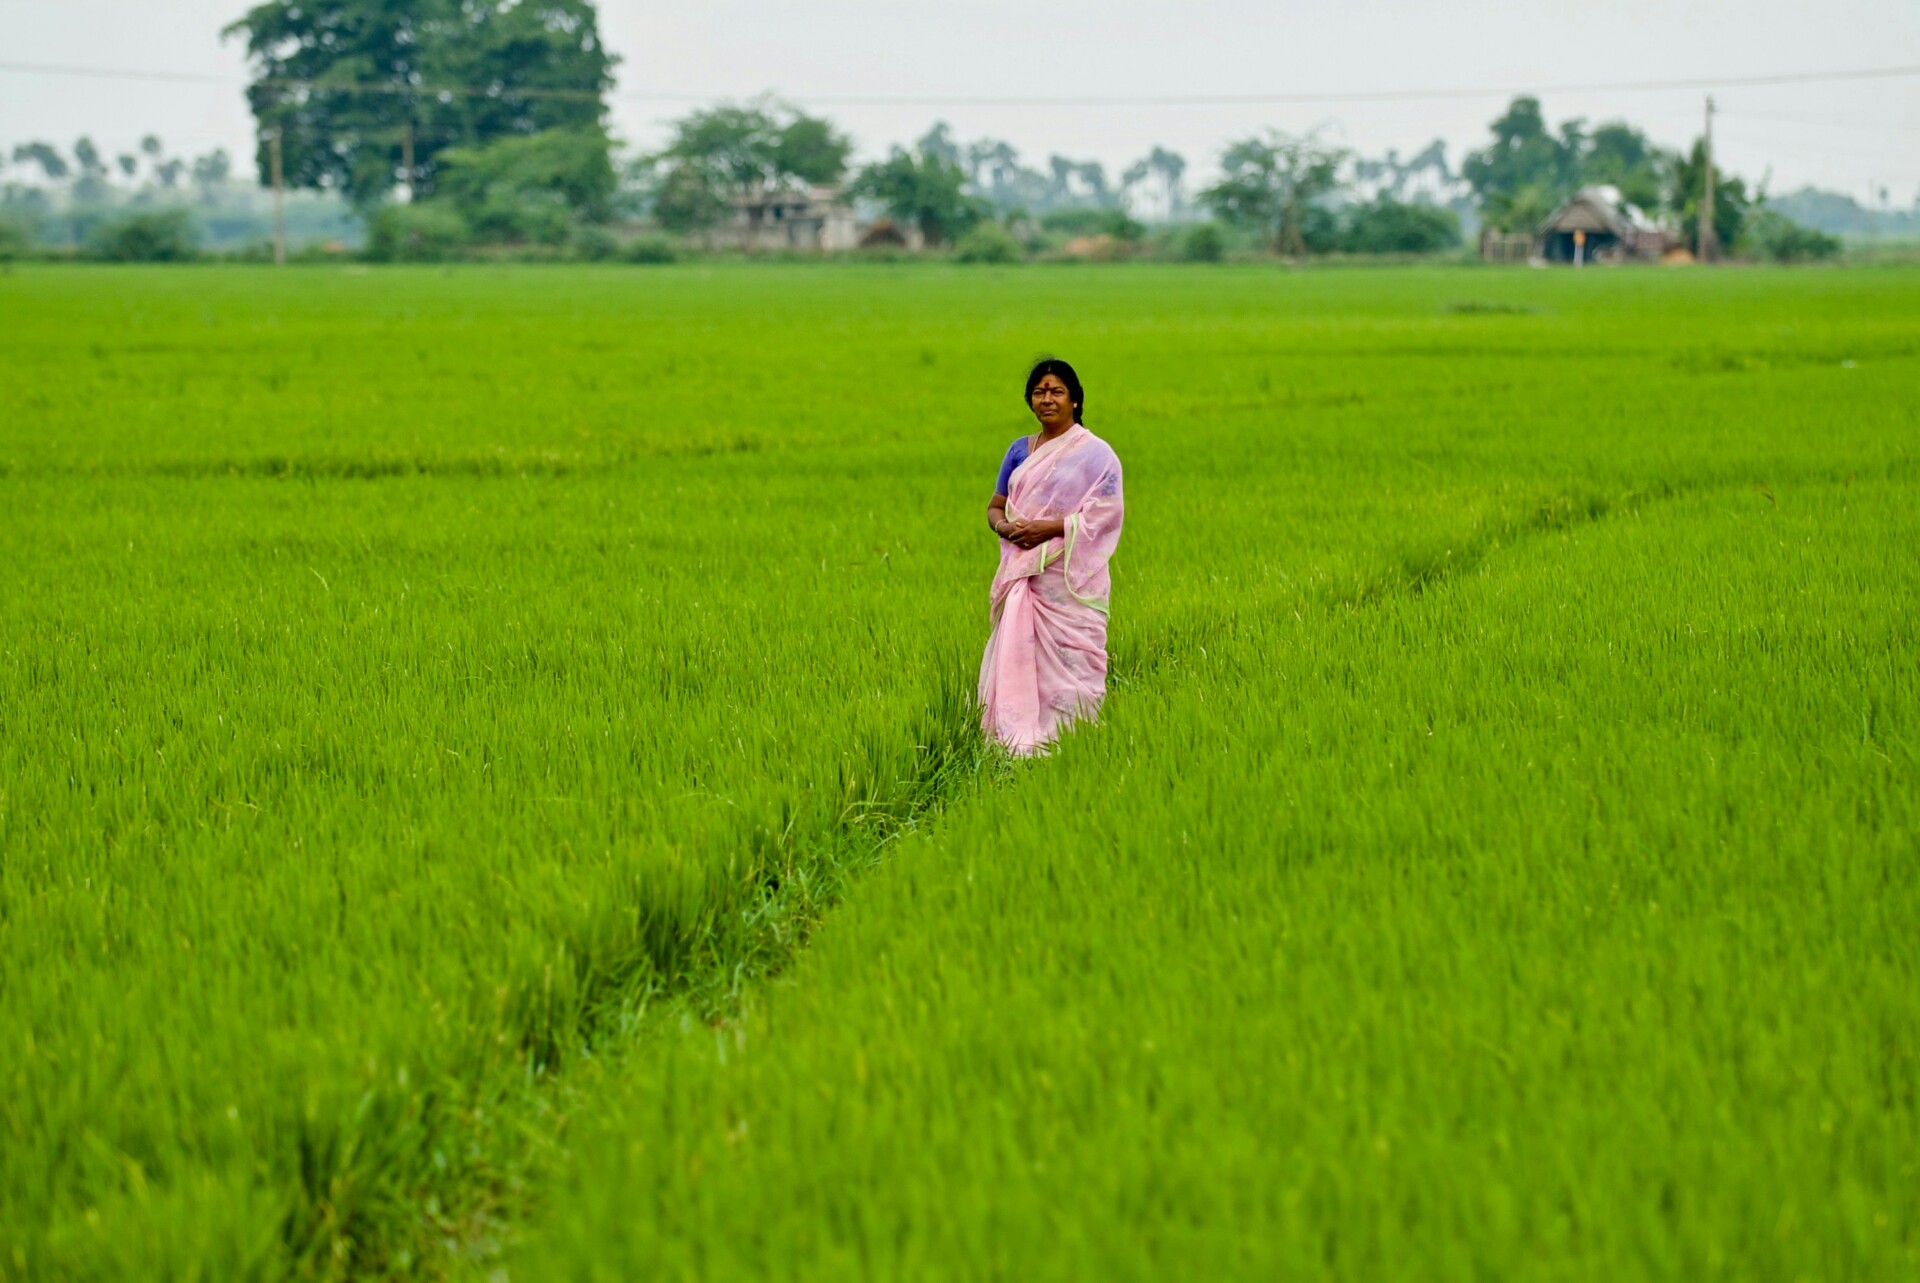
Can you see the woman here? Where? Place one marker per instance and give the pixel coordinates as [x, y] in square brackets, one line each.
[1057, 511]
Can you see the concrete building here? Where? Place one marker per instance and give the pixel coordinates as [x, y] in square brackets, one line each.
[817, 219]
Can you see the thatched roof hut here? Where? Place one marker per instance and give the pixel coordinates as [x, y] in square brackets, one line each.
[1597, 224]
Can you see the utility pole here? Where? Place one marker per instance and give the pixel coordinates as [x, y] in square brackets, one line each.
[279, 200]
[406, 156]
[1705, 238]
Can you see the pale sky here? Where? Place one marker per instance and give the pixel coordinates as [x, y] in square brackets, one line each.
[1853, 136]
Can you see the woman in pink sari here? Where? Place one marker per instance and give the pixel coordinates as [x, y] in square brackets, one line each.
[1057, 511]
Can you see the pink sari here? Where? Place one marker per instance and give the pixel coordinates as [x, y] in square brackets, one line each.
[1046, 662]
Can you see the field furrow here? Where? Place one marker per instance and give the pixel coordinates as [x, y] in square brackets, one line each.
[435, 709]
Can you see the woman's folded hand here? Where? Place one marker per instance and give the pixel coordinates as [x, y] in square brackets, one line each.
[1026, 533]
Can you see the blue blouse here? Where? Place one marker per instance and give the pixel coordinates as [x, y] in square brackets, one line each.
[1016, 455]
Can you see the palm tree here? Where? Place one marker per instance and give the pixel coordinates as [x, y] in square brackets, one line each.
[1170, 165]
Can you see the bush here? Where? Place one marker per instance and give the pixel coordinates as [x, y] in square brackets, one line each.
[1320, 230]
[522, 218]
[1203, 243]
[16, 239]
[156, 236]
[594, 244]
[652, 249]
[416, 234]
[988, 242]
[570, 168]
[1093, 222]
[1388, 226]
[1774, 237]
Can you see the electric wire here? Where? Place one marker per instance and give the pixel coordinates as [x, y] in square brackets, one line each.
[988, 100]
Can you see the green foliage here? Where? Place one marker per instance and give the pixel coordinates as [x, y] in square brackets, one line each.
[522, 218]
[211, 172]
[1527, 171]
[1730, 199]
[1524, 157]
[926, 191]
[426, 233]
[52, 164]
[1522, 209]
[745, 154]
[808, 149]
[651, 249]
[1273, 184]
[1203, 243]
[760, 148]
[1086, 221]
[90, 185]
[454, 695]
[152, 236]
[352, 138]
[1770, 235]
[690, 197]
[1388, 226]
[1620, 156]
[1320, 230]
[988, 242]
[593, 244]
[16, 236]
[568, 168]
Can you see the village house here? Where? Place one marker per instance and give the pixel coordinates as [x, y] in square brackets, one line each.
[816, 218]
[1598, 226]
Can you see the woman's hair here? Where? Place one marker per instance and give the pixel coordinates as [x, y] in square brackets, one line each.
[1061, 370]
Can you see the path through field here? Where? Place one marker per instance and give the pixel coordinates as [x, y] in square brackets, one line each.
[487, 781]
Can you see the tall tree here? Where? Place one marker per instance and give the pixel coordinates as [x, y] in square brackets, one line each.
[1062, 170]
[46, 156]
[1730, 198]
[731, 156]
[211, 172]
[686, 199]
[1093, 175]
[1526, 169]
[1171, 166]
[928, 191]
[1164, 168]
[939, 143]
[995, 172]
[532, 188]
[351, 83]
[1622, 156]
[90, 183]
[1272, 183]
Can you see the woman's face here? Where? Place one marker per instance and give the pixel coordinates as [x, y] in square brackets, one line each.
[1052, 403]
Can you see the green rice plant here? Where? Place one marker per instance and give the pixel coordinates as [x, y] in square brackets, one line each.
[487, 778]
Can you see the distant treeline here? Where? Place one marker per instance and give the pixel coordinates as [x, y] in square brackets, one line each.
[489, 136]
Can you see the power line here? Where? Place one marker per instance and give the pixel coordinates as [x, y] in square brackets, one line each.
[938, 100]
[1850, 127]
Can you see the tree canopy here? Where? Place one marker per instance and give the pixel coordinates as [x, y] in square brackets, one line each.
[1527, 170]
[925, 189]
[1272, 183]
[747, 154]
[531, 188]
[346, 82]
[46, 156]
[1730, 199]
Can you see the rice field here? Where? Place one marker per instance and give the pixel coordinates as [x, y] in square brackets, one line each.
[489, 787]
